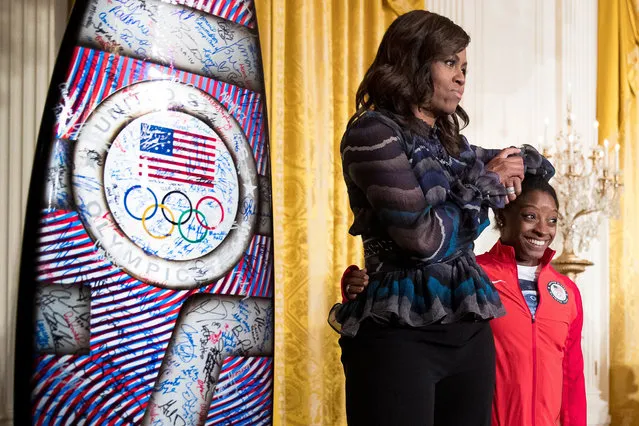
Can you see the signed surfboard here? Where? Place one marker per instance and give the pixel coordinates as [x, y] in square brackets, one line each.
[146, 285]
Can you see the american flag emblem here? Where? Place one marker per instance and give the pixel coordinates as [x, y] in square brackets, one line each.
[176, 155]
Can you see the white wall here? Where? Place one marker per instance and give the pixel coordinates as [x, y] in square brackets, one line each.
[522, 56]
[30, 33]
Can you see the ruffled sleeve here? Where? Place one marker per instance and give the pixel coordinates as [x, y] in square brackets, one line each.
[536, 164]
[493, 193]
[488, 183]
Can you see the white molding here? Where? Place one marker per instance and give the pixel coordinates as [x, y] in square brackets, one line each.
[579, 68]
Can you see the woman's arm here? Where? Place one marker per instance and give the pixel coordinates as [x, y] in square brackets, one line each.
[573, 403]
[423, 217]
[486, 174]
[484, 154]
[534, 162]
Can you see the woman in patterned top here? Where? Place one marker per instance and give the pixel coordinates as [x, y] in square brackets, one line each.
[416, 345]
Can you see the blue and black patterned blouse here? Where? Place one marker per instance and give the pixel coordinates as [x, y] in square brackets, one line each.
[419, 211]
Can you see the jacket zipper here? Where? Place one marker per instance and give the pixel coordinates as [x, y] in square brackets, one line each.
[534, 360]
[534, 341]
[534, 350]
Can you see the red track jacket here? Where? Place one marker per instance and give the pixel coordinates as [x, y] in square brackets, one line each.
[540, 378]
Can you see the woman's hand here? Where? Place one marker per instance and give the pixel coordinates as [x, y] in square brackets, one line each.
[509, 166]
[513, 188]
[354, 282]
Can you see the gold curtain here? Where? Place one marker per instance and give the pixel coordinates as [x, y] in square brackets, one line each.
[315, 53]
[618, 113]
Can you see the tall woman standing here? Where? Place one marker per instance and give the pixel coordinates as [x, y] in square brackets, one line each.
[417, 348]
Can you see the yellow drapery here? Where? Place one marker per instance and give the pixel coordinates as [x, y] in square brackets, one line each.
[618, 113]
[315, 53]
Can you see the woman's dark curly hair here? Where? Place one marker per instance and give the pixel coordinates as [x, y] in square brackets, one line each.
[400, 76]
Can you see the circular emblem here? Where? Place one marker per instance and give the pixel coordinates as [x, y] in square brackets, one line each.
[558, 292]
[166, 183]
[166, 179]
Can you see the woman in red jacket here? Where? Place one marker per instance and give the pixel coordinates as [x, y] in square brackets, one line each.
[539, 362]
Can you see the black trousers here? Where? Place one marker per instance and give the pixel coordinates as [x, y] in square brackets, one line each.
[438, 375]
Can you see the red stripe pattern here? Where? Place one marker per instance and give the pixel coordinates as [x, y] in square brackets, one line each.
[94, 75]
[240, 11]
[131, 324]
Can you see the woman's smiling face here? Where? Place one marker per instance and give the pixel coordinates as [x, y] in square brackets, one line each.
[529, 225]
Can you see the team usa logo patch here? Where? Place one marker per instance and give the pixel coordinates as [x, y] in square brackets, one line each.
[558, 292]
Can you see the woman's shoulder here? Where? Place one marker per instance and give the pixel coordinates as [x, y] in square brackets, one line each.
[373, 120]
[370, 128]
[465, 144]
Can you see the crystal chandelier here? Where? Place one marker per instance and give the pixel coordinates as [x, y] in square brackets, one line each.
[588, 182]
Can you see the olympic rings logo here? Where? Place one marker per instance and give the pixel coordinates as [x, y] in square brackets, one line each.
[183, 218]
